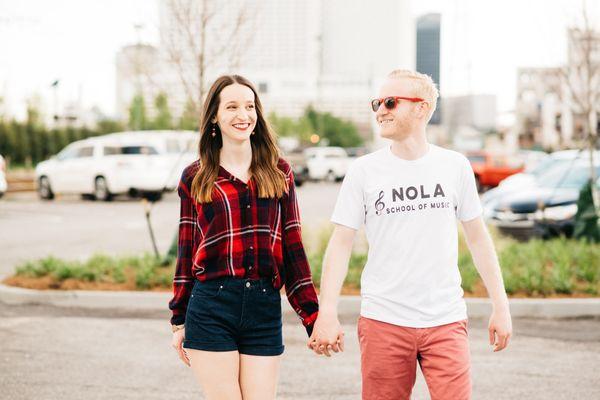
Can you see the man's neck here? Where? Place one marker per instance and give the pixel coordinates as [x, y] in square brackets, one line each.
[410, 148]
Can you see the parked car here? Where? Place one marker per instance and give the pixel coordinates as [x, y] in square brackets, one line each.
[355, 152]
[546, 209]
[299, 166]
[528, 178]
[490, 169]
[3, 184]
[327, 163]
[134, 163]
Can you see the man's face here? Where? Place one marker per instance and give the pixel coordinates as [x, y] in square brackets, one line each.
[400, 121]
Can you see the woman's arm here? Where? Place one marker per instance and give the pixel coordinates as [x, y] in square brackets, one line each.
[183, 280]
[298, 279]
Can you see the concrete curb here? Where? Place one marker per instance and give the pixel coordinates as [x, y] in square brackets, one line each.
[349, 306]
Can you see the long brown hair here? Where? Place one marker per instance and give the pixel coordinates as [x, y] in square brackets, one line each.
[269, 179]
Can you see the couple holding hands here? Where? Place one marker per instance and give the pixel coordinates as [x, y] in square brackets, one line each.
[240, 244]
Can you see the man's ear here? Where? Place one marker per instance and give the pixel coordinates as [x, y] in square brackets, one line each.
[424, 108]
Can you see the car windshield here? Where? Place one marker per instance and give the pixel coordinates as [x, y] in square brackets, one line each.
[548, 164]
[476, 159]
[129, 150]
[566, 177]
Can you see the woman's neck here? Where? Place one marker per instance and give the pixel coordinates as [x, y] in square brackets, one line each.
[236, 154]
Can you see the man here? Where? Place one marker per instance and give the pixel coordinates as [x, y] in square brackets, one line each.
[409, 196]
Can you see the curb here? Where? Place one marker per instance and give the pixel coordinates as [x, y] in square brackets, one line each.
[349, 306]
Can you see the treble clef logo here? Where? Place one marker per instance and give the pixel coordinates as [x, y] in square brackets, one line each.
[379, 205]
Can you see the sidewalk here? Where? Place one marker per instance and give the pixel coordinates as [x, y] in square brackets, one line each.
[349, 306]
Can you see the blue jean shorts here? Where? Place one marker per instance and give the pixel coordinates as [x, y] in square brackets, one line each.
[228, 314]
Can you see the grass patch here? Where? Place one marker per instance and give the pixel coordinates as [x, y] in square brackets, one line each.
[553, 268]
[100, 272]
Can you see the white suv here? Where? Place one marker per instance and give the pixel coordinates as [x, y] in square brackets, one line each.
[327, 163]
[134, 163]
[2, 176]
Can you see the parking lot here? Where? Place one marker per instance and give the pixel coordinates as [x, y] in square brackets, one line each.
[50, 352]
[70, 354]
[72, 228]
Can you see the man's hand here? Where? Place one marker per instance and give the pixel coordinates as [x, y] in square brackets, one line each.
[500, 329]
[327, 335]
[177, 344]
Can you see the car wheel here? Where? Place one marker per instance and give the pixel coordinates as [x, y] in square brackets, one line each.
[153, 196]
[44, 189]
[101, 191]
[330, 177]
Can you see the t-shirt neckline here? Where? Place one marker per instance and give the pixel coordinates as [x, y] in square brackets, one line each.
[417, 161]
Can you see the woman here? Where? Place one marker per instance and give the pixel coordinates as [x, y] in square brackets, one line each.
[239, 243]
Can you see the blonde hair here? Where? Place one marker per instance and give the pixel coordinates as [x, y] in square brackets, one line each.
[422, 86]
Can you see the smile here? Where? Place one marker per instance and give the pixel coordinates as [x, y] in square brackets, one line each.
[241, 127]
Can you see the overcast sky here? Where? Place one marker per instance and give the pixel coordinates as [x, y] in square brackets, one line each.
[483, 44]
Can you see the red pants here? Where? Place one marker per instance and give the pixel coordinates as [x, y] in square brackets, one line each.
[389, 355]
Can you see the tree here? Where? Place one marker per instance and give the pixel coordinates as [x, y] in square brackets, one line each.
[189, 117]
[337, 131]
[582, 78]
[163, 115]
[204, 35]
[137, 114]
[109, 126]
[586, 219]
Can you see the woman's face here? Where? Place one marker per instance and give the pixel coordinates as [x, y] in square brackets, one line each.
[236, 115]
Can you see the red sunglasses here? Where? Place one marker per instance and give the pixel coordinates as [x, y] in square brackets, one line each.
[391, 102]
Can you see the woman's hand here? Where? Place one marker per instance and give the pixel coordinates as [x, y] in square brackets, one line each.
[177, 344]
[327, 335]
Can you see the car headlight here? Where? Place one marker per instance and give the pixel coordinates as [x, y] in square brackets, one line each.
[557, 213]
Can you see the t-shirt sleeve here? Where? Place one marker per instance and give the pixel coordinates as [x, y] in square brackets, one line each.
[469, 205]
[350, 205]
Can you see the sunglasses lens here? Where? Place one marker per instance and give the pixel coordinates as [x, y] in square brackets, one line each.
[375, 105]
[390, 103]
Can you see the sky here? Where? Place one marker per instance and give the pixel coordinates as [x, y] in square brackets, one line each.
[76, 41]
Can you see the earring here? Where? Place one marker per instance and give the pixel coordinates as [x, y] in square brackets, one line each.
[214, 133]
[252, 133]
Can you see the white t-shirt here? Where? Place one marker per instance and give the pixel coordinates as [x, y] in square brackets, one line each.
[410, 210]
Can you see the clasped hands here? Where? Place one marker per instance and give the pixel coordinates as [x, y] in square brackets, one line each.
[327, 335]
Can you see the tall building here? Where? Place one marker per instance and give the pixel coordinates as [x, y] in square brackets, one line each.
[474, 110]
[361, 42]
[297, 52]
[137, 73]
[428, 53]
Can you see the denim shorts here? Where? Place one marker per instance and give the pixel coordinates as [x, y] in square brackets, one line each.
[228, 314]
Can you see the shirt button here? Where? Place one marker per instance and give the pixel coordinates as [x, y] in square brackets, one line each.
[251, 247]
[248, 206]
[250, 267]
[247, 284]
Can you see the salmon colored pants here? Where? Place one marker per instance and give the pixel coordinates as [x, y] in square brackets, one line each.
[389, 356]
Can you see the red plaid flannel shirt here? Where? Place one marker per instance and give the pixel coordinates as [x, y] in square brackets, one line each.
[241, 235]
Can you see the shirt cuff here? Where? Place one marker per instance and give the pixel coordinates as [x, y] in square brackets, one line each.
[309, 323]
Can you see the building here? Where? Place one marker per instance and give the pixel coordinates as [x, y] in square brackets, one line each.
[551, 102]
[478, 111]
[428, 53]
[297, 52]
[138, 72]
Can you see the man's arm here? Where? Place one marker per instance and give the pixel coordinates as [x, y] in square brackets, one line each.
[327, 330]
[486, 262]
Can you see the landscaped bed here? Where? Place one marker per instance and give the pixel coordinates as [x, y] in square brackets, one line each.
[554, 268]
